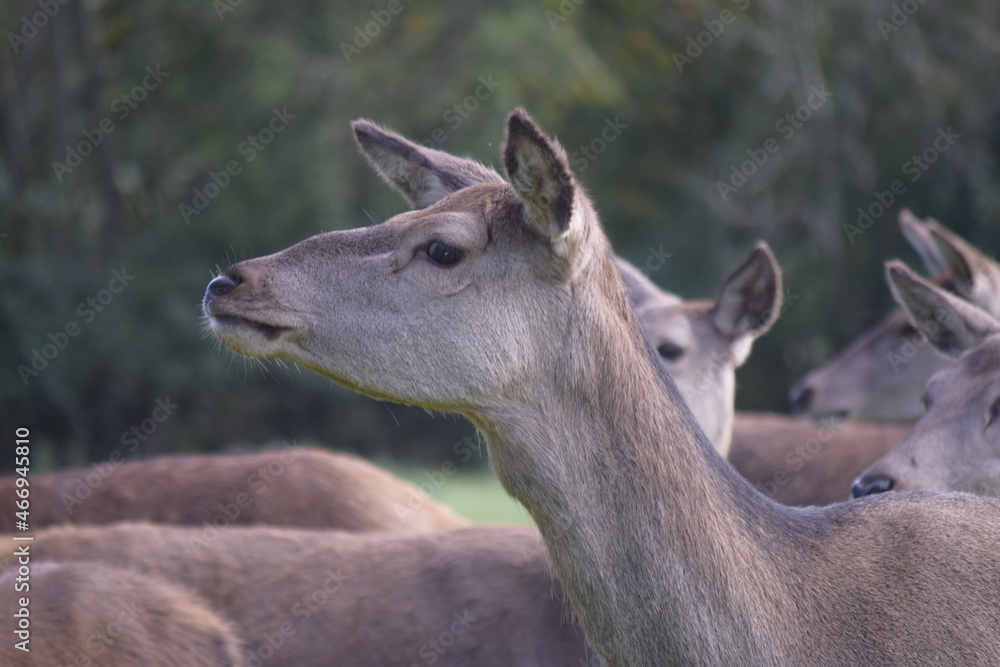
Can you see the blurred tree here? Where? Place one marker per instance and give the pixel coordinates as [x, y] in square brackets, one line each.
[143, 138]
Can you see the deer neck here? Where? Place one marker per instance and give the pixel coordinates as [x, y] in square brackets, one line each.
[658, 541]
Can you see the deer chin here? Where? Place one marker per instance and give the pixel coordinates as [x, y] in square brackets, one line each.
[250, 337]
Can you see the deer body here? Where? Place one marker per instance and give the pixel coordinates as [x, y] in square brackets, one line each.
[479, 596]
[297, 486]
[515, 316]
[797, 461]
[85, 613]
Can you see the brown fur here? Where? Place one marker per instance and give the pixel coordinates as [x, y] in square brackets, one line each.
[84, 613]
[297, 486]
[366, 600]
[797, 461]
[668, 555]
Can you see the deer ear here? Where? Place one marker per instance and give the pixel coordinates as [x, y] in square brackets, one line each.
[422, 175]
[539, 171]
[917, 233]
[951, 324]
[749, 300]
[641, 290]
[976, 276]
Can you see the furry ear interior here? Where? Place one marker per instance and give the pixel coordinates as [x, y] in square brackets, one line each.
[951, 324]
[422, 175]
[749, 300]
[538, 169]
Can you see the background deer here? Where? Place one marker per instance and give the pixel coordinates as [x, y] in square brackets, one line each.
[502, 302]
[297, 486]
[797, 461]
[881, 375]
[955, 445]
[85, 613]
[473, 596]
[702, 343]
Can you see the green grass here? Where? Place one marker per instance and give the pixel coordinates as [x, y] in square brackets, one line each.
[477, 496]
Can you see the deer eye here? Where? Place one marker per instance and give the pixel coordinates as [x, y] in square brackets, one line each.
[908, 331]
[670, 351]
[993, 413]
[443, 254]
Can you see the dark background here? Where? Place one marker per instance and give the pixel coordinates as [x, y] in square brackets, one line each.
[574, 67]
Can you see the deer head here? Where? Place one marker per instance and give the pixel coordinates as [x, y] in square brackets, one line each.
[955, 445]
[702, 343]
[345, 304]
[881, 374]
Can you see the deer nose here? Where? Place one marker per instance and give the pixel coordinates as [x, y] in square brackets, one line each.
[871, 484]
[222, 284]
[799, 398]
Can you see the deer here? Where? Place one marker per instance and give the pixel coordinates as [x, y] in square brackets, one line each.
[954, 446]
[700, 343]
[293, 486]
[796, 461]
[481, 595]
[881, 374]
[86, 613]
[501, 302]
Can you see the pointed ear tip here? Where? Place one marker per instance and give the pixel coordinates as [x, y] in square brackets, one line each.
[762, 254]
[762, 248]
[899, 274]
[519, 120]
[894, 266]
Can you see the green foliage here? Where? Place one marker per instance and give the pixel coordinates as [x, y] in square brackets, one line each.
[230, 66]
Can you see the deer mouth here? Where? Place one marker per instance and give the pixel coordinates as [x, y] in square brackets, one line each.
[269, 331]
